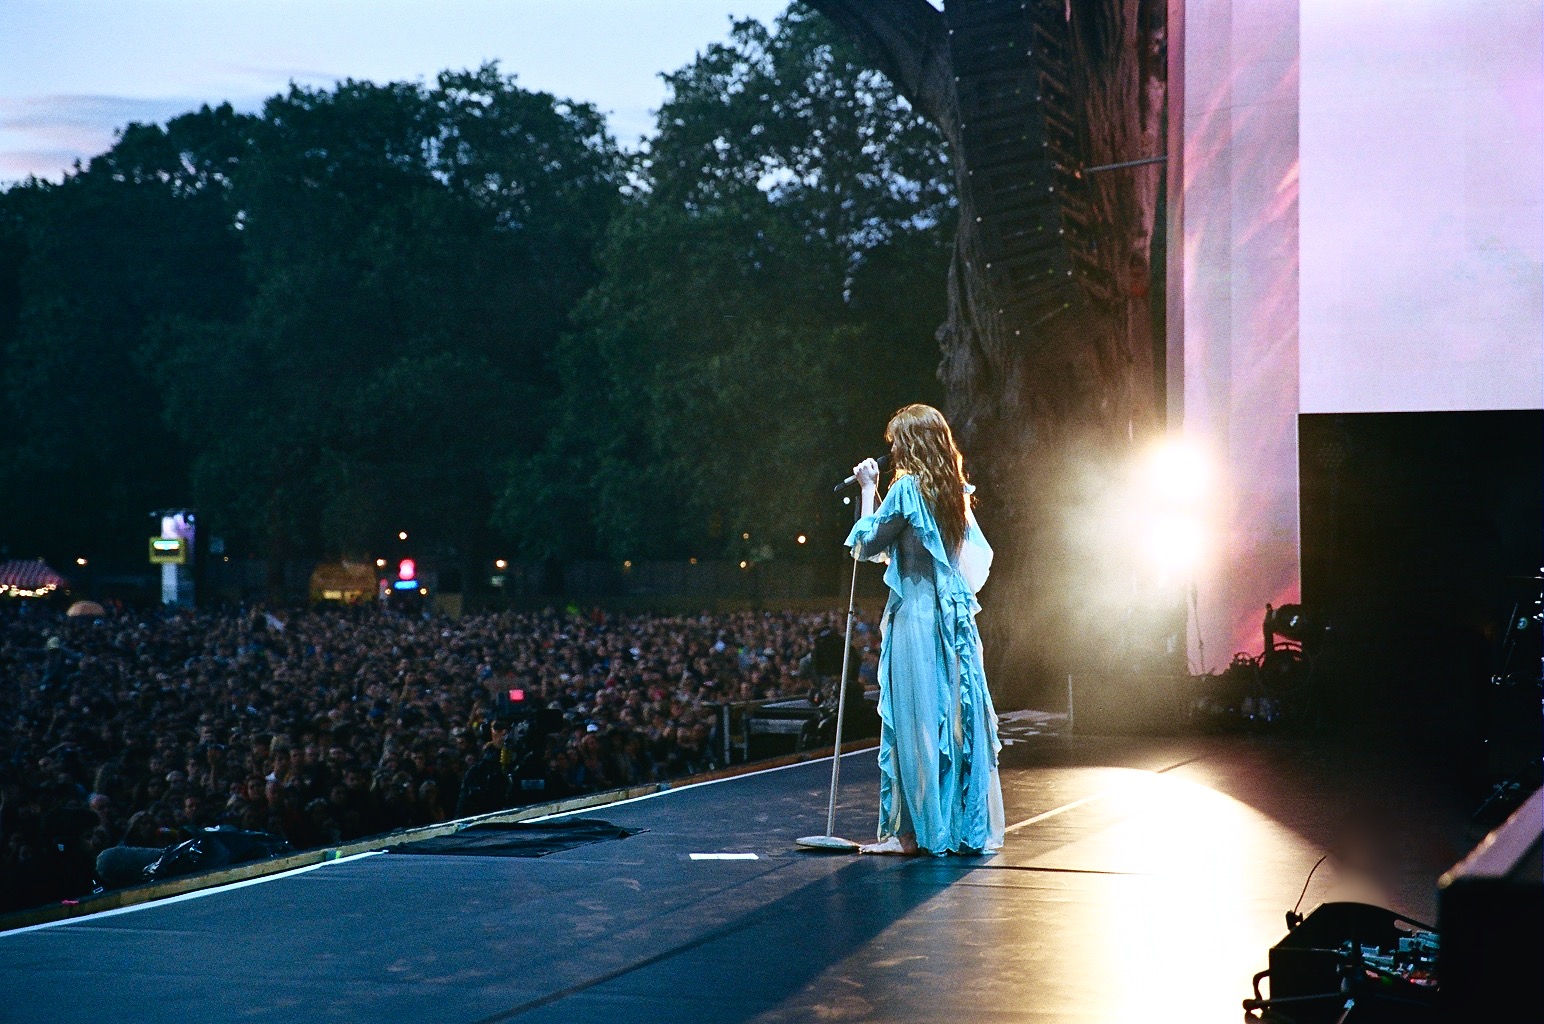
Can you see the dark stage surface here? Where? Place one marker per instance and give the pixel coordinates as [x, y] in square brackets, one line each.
[1143, 879]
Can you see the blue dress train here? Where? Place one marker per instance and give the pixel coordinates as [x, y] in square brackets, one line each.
[938, 741]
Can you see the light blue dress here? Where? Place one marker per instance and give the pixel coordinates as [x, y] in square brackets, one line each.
[938, 741]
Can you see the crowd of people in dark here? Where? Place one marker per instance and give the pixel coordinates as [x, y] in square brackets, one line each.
[140, 729]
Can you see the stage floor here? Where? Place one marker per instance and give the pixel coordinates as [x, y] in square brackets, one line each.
[1143, 879]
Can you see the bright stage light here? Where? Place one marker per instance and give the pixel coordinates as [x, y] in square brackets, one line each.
[1175, 543]
[1177, 473]
[1172, 484]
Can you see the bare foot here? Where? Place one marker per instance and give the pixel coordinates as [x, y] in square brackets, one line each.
[903, 846]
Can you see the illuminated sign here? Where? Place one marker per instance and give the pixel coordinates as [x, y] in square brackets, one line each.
[168, 551]
[407, 570]
[405, 585]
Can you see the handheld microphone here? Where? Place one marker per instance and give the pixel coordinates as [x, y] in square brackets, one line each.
[882, 460]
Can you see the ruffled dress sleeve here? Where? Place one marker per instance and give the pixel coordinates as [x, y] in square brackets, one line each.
[875, 534]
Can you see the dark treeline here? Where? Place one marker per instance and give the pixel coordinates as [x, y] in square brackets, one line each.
[460, 309]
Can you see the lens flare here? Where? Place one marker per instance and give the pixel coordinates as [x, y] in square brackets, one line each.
[1175, 543]
[1177, 473]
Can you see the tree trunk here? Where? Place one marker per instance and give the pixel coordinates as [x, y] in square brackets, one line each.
[1048, 407]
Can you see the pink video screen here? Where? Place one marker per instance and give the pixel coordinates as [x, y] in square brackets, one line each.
[1421, 205]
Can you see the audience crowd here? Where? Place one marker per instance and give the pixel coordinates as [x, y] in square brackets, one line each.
[327, 726]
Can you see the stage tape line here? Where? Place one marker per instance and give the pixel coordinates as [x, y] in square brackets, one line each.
[695, 785]
[1064, 808]
[194, 895]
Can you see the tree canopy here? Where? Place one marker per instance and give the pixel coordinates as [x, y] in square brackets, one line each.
[745, 341]
[457, 308]
[90, 267]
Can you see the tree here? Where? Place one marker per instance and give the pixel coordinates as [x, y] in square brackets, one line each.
[1043, 406]
[744, 343]
[413, 253]
[97, 261]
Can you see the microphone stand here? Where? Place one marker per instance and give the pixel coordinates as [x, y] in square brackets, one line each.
[830, 841]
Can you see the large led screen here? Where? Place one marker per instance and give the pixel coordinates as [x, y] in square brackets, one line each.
[1421, 205]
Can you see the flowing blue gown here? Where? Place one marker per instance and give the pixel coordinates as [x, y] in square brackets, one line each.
[938, 740]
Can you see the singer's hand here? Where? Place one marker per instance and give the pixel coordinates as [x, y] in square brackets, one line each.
[867, 473]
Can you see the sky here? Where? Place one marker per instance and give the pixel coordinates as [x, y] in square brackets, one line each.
[73, 71]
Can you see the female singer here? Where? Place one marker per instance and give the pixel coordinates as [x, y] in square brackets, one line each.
[938, 789]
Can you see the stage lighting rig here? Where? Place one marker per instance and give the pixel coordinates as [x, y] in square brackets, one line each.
[1289, 622]
[1284, 671]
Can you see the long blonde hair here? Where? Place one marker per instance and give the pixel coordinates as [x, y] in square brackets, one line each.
[924, 447]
